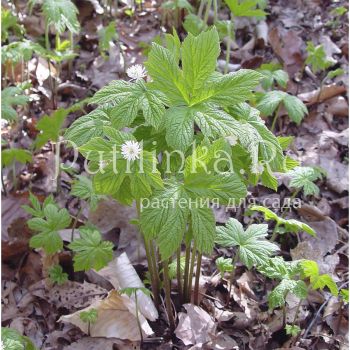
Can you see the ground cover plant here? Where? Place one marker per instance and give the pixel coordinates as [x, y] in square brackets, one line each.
[145, 187]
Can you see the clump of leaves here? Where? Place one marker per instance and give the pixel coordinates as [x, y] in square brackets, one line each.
[57, 275]
[286, 272]
[129, 291]
[245, 8]
[9, 23]
[292, 329]
[12, 340]
[317, 281]
[89, 316]
[11, 155]
[223, 265]
[90, 251]
[273, 74]
[282, 224]
[105, 36]
[317, 57]
[50, 221]
[272, 101]
[10, 97]
[303, 178]
[253, 247]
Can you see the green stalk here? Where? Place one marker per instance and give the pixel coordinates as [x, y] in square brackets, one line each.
[228, 48]
[207, 10]
[275, 118]
[168, 296]
[76, 222]
[232, 276]
[14, 175]
[190, 277]
[215, 10]
[155, 290]
[274, 233]
[178, 273]
[200, 9]
[186, 272]
[155, 269]
[138, 317]
[284, 311]
[198, 273]
[70, 63]
[3, 184]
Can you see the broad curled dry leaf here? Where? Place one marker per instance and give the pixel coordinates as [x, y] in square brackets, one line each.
[116, 319]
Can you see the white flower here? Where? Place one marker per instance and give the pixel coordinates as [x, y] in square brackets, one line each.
[131, 150]
[242, 172]
[136, 71]
[232, 140]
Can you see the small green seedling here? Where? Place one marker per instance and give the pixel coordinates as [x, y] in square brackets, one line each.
[10, 97]
[90, 317]
[292, 329]
[90, 251]
[273, 74]
[106, 35]
[283, 225]
[317, 58]
[11, 339]
[223, 265]
[303, 178]
[272, 101]
[57, 275]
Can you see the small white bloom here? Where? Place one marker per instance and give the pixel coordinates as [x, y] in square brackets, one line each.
[136, 71]
[242, 172]
[131, 150]
[2, 346]
[232, 140]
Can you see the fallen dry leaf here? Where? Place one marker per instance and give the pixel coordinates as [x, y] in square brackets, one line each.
[116, 319]
[328, 91]
[102, 343]
[195, 327]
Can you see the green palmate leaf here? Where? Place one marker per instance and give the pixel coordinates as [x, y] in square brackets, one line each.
[83, 188]
[203, 228]
[126, 99]
[277, 297]
[335, 73]
[10, 97]
[54, 219]
[311, 271]
[61, 14]
[173, 267]
[129, 291]
[317, 57]
[165, 218]
[285, 141]
[223, 265]
[294, 106]
[179, 127]
[303, 178]
[253, 248]
[9, 23]
[345, 295]
[87, 127]
[272, 73]
[36, 209]
[13, 340]
[162, 66]
[290, 225]
[90, 251]
[246, 8]
[292, 329]
[50, 127]
[11, 155]
[89, 316]
[277, 268]
[193, 24]
[57, 275]
[199, 56]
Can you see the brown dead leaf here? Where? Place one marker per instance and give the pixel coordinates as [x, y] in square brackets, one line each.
[196, 326]
[116, 319]
[328, 91]
[88, 343]
[287, 46]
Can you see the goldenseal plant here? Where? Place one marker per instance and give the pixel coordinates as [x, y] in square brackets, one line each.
[174, 144]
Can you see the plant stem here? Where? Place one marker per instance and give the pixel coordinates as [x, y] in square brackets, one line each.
[137, 316]
[76, 222]
[284, 311]
[200, 9]
[207, 10]
[228, 48]
[14, 175]
[178, 274]
[70, 63]
[215, 6]
[198, 273]
[186, 272]
[232, 276]
[155, 290]
[275, 118]
[274, 233]
[297, 312]
[167, 295]
[155, 271]
[190, 277]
